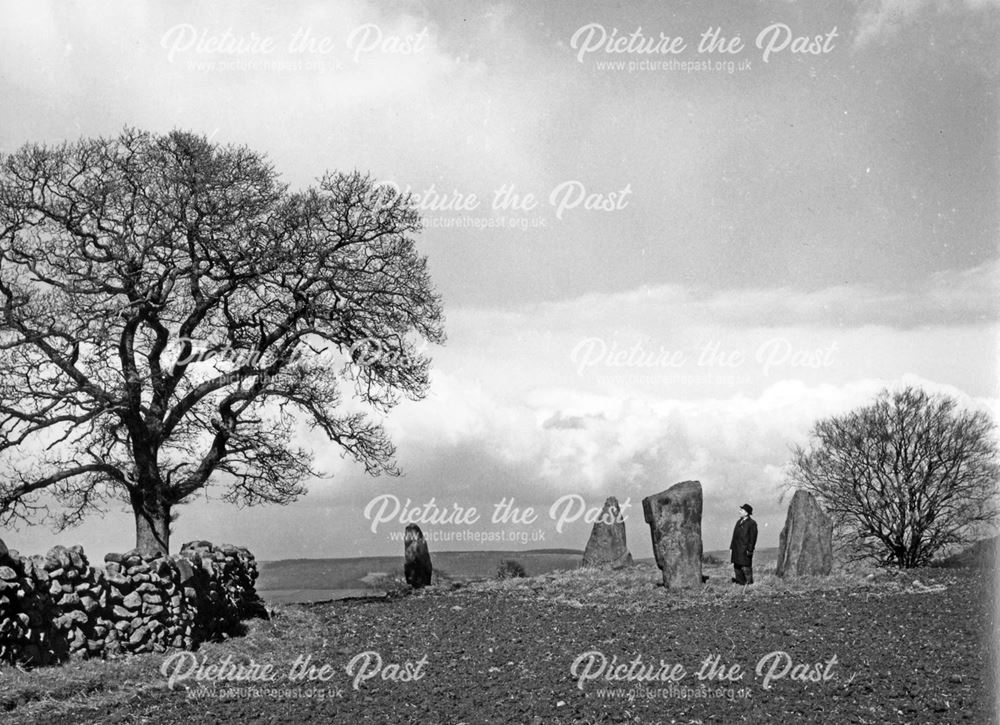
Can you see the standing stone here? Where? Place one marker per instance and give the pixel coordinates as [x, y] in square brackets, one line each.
[417, 565]
[805, 545]
[674, 518]
[606, 547]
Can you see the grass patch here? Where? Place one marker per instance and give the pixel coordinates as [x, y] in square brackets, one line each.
[510, 569]
[639, 587]
[98, 684]
[395, 585]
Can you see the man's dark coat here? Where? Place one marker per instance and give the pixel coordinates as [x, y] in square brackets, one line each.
[744, 542]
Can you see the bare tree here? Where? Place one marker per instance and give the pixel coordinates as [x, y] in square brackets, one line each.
[122, 261]
[904, 477]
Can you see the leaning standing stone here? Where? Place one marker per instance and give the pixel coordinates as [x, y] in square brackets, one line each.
[417, 565]
[606, 547]
[805, 545]
[674, 518]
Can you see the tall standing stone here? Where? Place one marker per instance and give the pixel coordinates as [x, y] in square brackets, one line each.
[606, 547]
[674, 518]
[805, 545]
[417, 564]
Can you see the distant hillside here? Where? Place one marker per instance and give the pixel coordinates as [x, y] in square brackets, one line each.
[313, 574]
[350, 573]
[982, 554]
[571, 552]
[761, 557]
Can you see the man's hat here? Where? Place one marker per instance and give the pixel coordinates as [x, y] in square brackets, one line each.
[748, 508]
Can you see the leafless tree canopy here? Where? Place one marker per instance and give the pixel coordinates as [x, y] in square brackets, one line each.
[123, 260]
[905, 476]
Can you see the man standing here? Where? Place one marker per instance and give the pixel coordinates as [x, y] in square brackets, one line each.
[742, 546]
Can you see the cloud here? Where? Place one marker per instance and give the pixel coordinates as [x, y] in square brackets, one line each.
[573, 441]
[686, 343]
[947, 297]
[559, 421]
[881, 20]
[511, 414]
[394, 94]
[556, 442]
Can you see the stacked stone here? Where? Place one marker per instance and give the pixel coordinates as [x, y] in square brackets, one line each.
[14, 624]
[75, 590]
[139, 589]
[182, 599]
[242, 581]
[223, 579]
[58, 606]
[10, 626]
[26, 611]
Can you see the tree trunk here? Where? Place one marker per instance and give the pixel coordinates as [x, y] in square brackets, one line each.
[152, 528]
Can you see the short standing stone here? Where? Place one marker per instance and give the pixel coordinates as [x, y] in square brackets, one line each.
[606, 547]
[417, 565]
[674, 518]
[805, 545]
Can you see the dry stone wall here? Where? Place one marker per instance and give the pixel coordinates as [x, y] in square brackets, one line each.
[57, 606]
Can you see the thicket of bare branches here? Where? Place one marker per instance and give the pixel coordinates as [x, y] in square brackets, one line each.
[903, 477]
[123, 259]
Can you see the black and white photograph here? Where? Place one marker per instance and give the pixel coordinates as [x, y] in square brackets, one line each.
[542, 362]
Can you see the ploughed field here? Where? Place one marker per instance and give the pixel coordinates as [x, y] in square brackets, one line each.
[568, 647]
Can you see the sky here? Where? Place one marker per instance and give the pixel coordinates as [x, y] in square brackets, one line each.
[669, 236]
